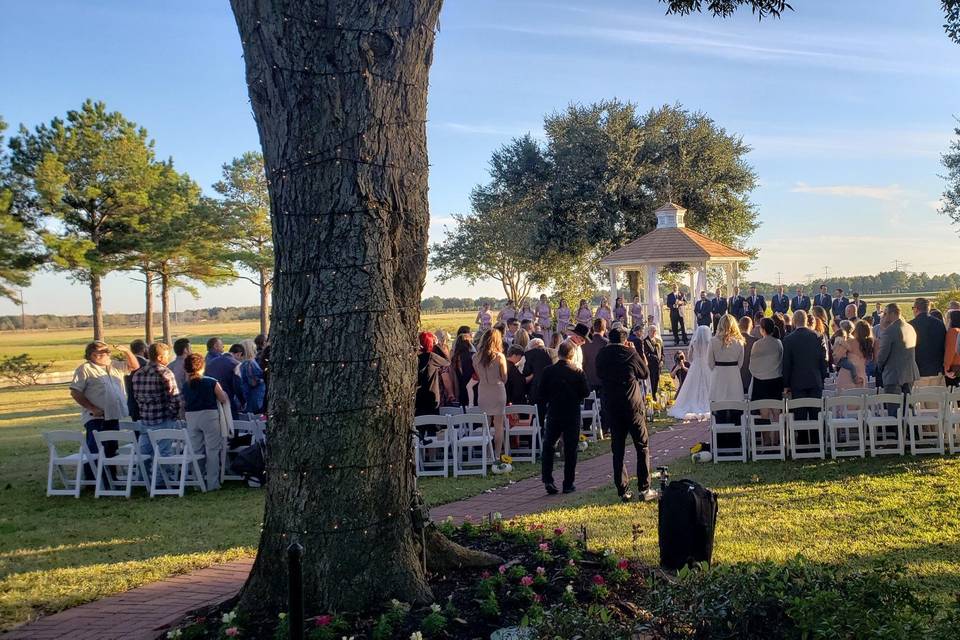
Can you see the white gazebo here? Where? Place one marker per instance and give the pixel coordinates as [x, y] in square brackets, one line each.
[673, 242]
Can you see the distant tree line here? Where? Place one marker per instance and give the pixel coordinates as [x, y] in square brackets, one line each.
[193, 316]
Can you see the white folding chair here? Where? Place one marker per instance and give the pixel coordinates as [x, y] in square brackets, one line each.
[738, 453]
[68, 467]
[439, 441]
[924, 421]
[451, 410]
[810, 428]
[885, 431]
[526, 424]
[768, 437]
[472, 444]
[843, 419]
[951, 421]
[590, 418]
[128, 463]
[186, 464]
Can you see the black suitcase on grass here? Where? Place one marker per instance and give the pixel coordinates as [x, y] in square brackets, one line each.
[687, 518]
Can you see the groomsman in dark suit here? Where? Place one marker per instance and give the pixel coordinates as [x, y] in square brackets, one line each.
[735, 304]
[800, 302]
[675, 302]
[823, 299]
[861, 305]
[877, 315]
[780, 303]
[756, 302]
[719, 308]
[703, 310]
[840, 303]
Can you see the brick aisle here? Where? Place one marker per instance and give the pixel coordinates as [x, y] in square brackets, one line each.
[143, 613]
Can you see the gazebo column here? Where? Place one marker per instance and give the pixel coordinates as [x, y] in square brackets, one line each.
[653, 293]
[728, 279]
[736, 274]
[613, 286]
[702, 277]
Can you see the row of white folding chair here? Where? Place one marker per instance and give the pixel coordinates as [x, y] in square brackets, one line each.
[465, 437]
[591, 424]
[527, 424]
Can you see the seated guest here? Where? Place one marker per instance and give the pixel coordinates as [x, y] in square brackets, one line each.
[181, 349]
[251, 379]
[564, 387]
[202, 397]
[159, 399]
[516, 385]
[951, 358]
[214, 349]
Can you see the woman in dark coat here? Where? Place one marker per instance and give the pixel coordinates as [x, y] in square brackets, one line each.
[429, 364]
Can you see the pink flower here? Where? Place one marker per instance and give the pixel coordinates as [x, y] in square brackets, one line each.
[324, 620]
[571, 563]
[526, 581]
[537, 598]
[559, 531]
[502, 569]
[623, 564]
[485, 575]
[598, 580]
[544, 546]
[232, 632]
[541, 571]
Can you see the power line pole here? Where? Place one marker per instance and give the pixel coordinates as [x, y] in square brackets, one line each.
[778, 277]
[900, 265]
[826, 274]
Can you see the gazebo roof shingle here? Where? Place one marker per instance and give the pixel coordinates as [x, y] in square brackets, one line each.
[672, 244]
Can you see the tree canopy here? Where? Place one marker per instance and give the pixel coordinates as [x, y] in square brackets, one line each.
[951, 195]
[18, 250]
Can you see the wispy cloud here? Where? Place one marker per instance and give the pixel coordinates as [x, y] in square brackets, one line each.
[888, 193]
[483, 129]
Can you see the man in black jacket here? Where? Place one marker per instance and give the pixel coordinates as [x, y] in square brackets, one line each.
[621, 371]
[931, 335]
[535, 362]
[676, 302]
[780, 303]
[563, 388]
[735, 304]
[804, 363]
[703, 310]
[719, 308]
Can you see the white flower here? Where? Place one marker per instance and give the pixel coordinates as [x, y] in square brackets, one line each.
[416, 635]
[435, 608]
[283, 616]
[229, 617]
[569, 588]
[173, 635]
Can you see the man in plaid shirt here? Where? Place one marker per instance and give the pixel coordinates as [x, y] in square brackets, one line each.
[157, 395]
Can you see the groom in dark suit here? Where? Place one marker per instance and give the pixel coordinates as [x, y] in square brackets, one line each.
[800, 302]
[823, 299]
[735, 304]
[703, 310]
[675, 302]
[780, 303]
[719, 308]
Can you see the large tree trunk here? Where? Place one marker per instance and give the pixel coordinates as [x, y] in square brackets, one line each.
[165, 307]
[633, 284]
[264, 302]
[148, 309]
[96, 299]
[339, 92]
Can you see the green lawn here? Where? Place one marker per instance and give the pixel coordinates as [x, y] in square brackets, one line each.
[894, 509]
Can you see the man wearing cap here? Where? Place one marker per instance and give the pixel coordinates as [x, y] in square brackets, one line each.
[577, 337]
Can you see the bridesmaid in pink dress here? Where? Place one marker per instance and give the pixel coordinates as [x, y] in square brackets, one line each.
[636, 312]
[603, 311]
[526, 313]
[563, 315]
[543, 313]
[584, 314]
[620, 313]
[507, 314]
[484, 317]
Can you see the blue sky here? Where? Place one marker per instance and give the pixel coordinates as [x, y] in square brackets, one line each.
[847, 105]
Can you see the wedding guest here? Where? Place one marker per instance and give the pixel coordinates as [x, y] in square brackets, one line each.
[852, 352]
[756, 302]
[951, 358]
[800, 302]
[804, 363]
[703, 310]
[598, 340]
[757, 317]
[726, 357]
[584, 314]
[931, 336]
[251, 379]
[604, 312]
[429, 363]
[636, 312]
[676, 302]
[620, 312]
[564, 387]
[718, 307]
[652, 350]
[823, 299]
[820, 322]
[158, 397]
[139, 350]
[201, 397]
[850, 313]
[526, 313]
[181, 349]
[490, 366]
[536, 360]
[935, 313]
[484, 317]
[98, 388]
[544, 313]
[448, 384]
[780, 303]
[875, 317]
[735, 304]
[563, 316]
[839, 305]
[780, 324]
[520, 339]
[462, 367]
[507, 313]
[513, 326]
[896, 354]
[745, 326]
[516, 385]
[214, 349]
[552, 347]
[860, 305]
[577, 337]
[766, 364]
[622, 371]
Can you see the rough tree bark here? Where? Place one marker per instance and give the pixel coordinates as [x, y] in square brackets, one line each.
[96, 299]
[339, 92]
[148, 308]
[264, 302]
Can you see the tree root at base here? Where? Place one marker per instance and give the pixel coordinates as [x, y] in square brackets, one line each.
[444, 555]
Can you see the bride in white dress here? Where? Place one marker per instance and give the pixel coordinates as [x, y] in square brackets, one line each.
[693, 400]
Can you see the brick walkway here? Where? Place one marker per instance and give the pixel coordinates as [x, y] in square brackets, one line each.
[143, 613]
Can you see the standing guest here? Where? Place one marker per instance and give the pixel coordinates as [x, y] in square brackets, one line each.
[484, 317]
[98, 388]
[680, 369]
[636, 337]
[516, 385]
[158, 397]
[703, 310]
[787, 324]
[675, 302]
[935, 313]
[202, 397]
[780, 325]
[429, 364]
[839, 304]
[526, 313]
[755, 330]
[222, 367]
[850, 313]
[578, 337]
[181, 349]
[725, 358]
[604, 312]
[853, 350]
[652, 350]
[620, 312]
[800, 302]
[820, 322]
[535, 360]
[896, 355]
[735, 304]
[876, 315]
[931, 336]
[263, 359]
[718, 307]
[491, 369]
[860, 305]
[462, 366]
[520, 339]
[563, 388]
[951, 358]
[748, 338]
[636, 312]
[780, 303]
[528, 326]
[757, 303]
[237, 353]
[563, 316]
[766, 364]
[590, 350]
[804, 363]
[251, 379]
[553, 346]
[544, 313]
[622, 372]
[139, 350]
[584, 314]
[214, 349]
[823, 299]
[507, 313]
[261, 343]
[513, 326]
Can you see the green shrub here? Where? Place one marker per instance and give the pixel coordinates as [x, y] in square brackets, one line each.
[22, 369]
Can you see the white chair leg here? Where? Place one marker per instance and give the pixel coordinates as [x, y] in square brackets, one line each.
[79, 478]
[97, 487]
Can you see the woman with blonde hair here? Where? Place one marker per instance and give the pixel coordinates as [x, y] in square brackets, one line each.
[490, 366]
[725, 359]
[584, 313]
[521, 339]
[251, 379]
